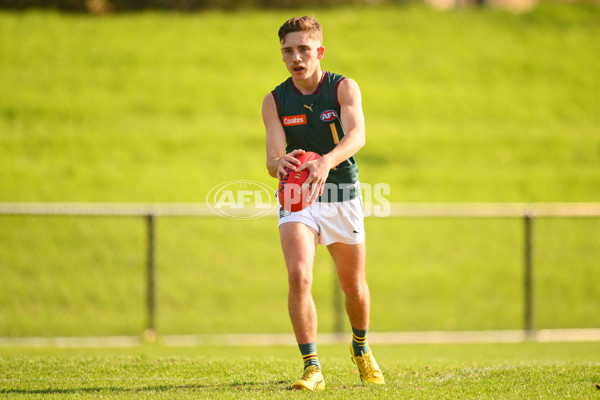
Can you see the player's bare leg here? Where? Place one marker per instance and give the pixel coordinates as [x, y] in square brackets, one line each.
[350, 266]
[299, 243]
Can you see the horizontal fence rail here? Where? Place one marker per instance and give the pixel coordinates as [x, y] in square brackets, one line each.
[396, 209]
[525, 211]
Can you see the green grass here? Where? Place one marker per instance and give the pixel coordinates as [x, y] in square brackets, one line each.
[509, 371]
[85, 276]
[460, 106]
[475, 105]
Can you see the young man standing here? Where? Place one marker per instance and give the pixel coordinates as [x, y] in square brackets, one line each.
[327, 118]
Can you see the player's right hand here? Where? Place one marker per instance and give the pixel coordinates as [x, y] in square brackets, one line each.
[289, 162]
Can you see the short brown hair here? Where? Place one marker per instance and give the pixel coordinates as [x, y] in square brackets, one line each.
[302, 24]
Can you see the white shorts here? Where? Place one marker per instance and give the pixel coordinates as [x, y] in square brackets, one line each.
[341, 222]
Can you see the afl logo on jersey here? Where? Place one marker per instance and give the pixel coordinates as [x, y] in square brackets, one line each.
[329, 115]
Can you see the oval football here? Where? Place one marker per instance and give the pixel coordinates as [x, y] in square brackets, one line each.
[289, 194]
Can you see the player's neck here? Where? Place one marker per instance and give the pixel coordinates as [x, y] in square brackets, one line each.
[310, 84]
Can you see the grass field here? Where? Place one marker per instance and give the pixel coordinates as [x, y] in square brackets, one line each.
[460, 106]
[483, 371]
[88, 278]
[475, 105]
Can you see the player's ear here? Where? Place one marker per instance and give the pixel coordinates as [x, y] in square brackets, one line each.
[320, 52]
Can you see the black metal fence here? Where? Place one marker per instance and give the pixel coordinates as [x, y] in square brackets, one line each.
[126, 217]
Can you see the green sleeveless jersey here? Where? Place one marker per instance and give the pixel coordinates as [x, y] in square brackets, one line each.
[312, 123]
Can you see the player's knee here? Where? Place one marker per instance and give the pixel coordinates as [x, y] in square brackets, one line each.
[355, 289]
[299, 281]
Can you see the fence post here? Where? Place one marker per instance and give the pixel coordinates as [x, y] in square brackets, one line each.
[150, 332]
[528, 278]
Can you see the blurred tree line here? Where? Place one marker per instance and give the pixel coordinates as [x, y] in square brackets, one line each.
[109, 6]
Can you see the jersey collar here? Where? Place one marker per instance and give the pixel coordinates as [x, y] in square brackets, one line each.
[317, 90]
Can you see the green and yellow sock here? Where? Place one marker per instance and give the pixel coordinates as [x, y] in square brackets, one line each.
[360, 343]
[309, 354]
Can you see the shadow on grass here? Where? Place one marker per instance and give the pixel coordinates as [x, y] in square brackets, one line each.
[235, 386]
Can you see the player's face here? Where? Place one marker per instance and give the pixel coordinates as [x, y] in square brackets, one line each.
[301, 54]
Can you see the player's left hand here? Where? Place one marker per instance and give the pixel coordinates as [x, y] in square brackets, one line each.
[318, 171]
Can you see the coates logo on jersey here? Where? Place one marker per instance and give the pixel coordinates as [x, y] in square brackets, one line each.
[294, 120]
[329, 115]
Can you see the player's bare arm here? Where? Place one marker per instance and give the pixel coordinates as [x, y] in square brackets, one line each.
[353, 121]
[277, 161]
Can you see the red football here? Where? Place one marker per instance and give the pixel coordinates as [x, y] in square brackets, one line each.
[289, 194]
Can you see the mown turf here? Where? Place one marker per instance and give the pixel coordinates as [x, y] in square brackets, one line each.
[86, 276]
[472, 105]
[511, 371]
